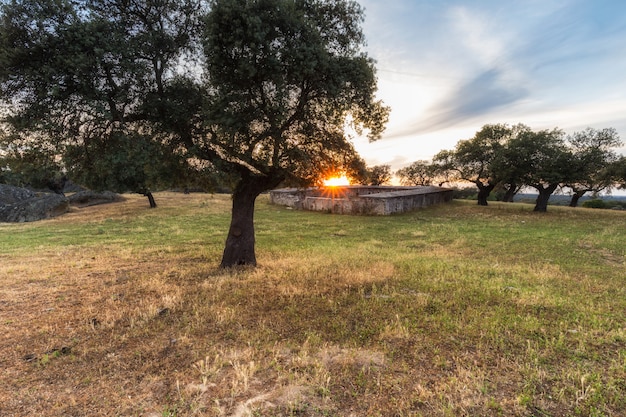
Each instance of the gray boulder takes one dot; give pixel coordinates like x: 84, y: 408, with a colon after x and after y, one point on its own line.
x: 19, y: 205
x: 12, y: 195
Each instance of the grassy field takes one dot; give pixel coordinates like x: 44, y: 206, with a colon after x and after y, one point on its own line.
x: 455, y: 310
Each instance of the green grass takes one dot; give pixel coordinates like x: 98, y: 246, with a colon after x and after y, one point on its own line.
x: 452, y: 310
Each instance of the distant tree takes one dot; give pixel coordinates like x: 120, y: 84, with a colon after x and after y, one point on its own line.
x: 545, y: 161
x: 121, y: 163
x: 418, y: 173
x: 592, y: 156
x: 378, y: 175
x: 473, y: 159
x: 507, y: 167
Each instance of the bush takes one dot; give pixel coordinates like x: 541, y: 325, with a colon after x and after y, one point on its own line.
x: 595, y: 203
x: 466, y: 193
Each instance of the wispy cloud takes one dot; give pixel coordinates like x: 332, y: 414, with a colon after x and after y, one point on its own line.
x: 487, y: 92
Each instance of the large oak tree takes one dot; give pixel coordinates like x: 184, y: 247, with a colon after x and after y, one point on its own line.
x: 284, y: 78
x: 473, y: 160
x: 593, y: 156
x: 543, y: 161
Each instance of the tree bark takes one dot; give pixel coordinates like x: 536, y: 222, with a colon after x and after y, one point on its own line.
x: 510, y: 193
x: 150, y: 199
x: 575, y: 197
x: 239, y: 248
x: 483, y: 192
x: 541, y: 204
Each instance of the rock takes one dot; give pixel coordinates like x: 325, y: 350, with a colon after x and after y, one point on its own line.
x: 19, y: 205
x: 92, y: 198
x: 12, y: 195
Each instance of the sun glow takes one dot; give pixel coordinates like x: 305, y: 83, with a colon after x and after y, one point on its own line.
x: 336, y: 181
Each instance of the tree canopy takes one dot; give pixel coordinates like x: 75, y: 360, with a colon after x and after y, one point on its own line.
x: 593, y: 156
x: 473, y: 160
x: 420, y: 172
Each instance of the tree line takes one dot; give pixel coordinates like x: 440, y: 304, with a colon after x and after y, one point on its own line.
x: 508, y: 158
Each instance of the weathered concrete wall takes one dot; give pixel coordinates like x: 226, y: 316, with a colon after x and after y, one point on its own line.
x: 403, y: 201
x: 361, y: 199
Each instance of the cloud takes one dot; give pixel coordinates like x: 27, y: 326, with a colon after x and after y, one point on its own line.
x: 483, y: 94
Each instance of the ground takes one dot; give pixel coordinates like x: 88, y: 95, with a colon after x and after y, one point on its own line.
x: 122, y: 310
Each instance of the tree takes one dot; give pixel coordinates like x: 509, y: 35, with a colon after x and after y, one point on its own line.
x: 87, y: 77
x: 592, y: 156
x: 544, y: 160
x: 417, y: 173
x: 473, y: 159
x: 260, y: 90
x: 283, y: 76
x: 378, y: 175
x: 507, y: 166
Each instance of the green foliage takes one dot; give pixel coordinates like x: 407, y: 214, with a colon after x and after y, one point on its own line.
x: 617, y: 170
x: 596, y: 203
x: 377, y: 175
x: 80, y: 75
x: 505, y: 159
x: 284, y: 77
x: 24, y: 165
x: 417, y: 173
x: 593, y: 157
x: 118, y: 163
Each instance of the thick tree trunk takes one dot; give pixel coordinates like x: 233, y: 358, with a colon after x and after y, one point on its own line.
x: 239, y: 248
x: 510, y: 193
x: 541, y: 204
x: 574, y: 201
x: 483, y: 192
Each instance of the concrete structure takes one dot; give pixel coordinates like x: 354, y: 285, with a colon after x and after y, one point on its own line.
x: 358, y: 199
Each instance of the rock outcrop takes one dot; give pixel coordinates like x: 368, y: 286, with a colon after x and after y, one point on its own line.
x: 19, y: 205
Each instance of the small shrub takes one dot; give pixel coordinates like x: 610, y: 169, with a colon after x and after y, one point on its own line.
x: 595, y: 203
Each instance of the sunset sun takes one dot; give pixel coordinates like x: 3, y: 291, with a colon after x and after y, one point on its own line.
x: 337, y: 180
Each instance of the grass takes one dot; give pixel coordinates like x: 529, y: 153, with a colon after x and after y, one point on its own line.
x: 455, y: 310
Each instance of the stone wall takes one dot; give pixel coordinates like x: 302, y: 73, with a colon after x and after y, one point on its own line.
x: 378, y: 200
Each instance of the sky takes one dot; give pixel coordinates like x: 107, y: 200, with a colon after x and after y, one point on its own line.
x: 448, y: 67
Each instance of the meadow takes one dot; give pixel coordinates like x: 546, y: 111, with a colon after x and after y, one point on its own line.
x: 454, y: 310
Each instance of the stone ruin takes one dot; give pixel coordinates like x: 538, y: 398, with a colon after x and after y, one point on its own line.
x: 360, y: 199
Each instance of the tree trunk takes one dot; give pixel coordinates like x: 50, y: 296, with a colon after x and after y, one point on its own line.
x: 510, y: 193
x: 541, y: 204
x: 239, y: 248
x: 483, y: 192
x: 574, y: 201
x: 150, y: 199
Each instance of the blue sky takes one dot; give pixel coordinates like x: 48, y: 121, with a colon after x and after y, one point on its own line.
x: 448, y: 67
